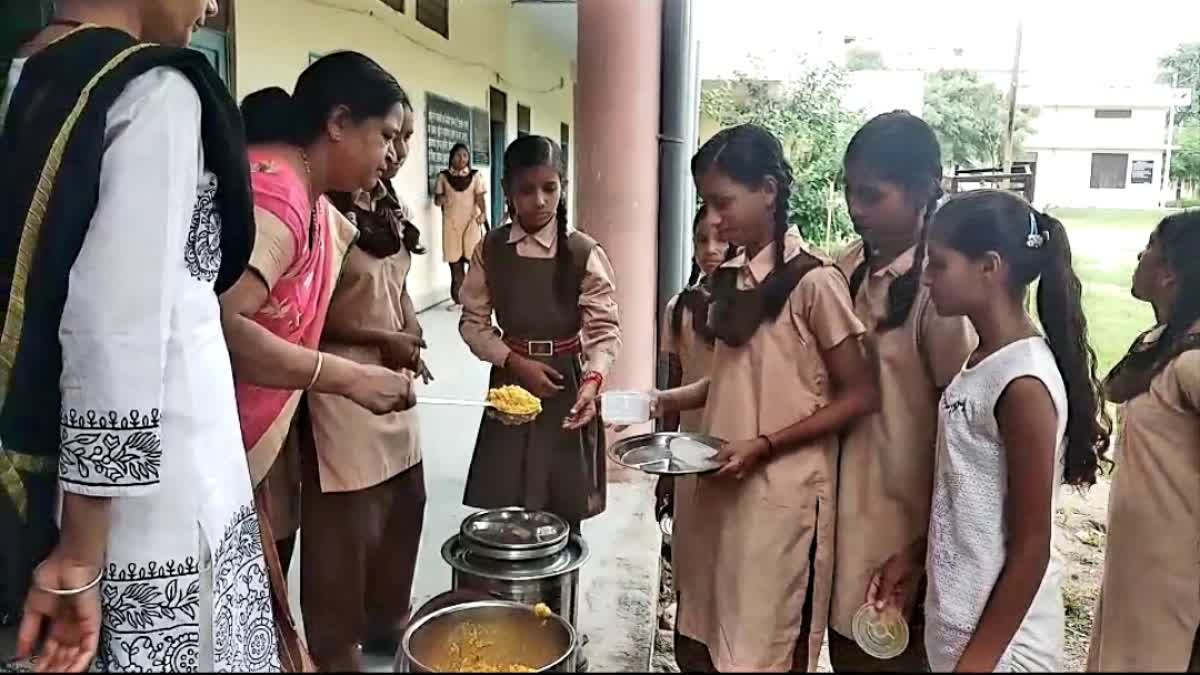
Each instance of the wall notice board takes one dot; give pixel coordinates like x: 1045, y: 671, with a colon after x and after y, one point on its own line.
x: 446, y: 124
x: 481, y: 137
x: 1143, y: 171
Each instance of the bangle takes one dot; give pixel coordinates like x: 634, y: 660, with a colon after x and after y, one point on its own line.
x: 63, y: 593
x: 592, y: 376
x: 770, y: 445
x: 316, y: 371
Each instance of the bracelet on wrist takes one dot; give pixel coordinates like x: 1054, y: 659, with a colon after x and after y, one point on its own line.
x: 67, y: 592
x: 770, y: 446
x: 316, y: 372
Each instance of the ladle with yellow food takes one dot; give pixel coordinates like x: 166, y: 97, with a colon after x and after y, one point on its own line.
x: 511, y: 405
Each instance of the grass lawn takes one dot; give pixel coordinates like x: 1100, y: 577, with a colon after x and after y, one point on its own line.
x: 1105, y: 244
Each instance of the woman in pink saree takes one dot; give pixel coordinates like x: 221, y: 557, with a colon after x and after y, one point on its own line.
x: 333, y: 134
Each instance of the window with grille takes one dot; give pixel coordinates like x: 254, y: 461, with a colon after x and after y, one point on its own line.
x: 435, y: 15
x: 1109, y: 170
x: 523, y: 115
x: 1113, y: 113
x: 397, y: 5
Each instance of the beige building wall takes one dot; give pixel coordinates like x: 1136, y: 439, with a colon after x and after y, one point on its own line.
x: 490, y: 45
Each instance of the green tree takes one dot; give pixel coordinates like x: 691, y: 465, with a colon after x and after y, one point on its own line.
x: 969, y: 117
x: 1181, y: 68
x: 858, y: 58
x: 1185, y: 161
x: 807, y: 116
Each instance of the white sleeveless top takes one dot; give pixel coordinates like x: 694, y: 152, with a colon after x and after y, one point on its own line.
x: 967, y: 528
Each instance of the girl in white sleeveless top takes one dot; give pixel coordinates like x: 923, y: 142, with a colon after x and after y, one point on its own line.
x: 1025, y: 406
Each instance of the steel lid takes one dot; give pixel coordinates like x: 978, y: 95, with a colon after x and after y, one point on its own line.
x: 566, y: 561
x: 514, y: 534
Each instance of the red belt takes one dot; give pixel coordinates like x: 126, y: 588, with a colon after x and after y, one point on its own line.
x: 545, y: 348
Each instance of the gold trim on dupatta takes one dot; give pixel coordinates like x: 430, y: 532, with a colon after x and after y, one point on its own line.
x: 12, y: 463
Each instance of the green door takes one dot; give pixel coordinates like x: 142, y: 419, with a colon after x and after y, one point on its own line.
x: 215, y: 46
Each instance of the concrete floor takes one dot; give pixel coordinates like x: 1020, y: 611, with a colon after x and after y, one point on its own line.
x: 619, y: 585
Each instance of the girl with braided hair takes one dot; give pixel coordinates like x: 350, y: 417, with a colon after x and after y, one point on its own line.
x: 893, y: 172
x: 556, y: 333
x: 753, y: 544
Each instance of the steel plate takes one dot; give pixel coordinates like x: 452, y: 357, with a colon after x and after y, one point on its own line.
x: 656, y: 454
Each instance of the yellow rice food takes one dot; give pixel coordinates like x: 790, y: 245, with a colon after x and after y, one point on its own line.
x: 542, y: 611
x: 468, y: 653
x: 515, y: 400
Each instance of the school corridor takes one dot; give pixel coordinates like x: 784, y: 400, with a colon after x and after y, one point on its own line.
x: 619, y: 584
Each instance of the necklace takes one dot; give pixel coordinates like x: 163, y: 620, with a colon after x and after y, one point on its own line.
x: 312, y: 216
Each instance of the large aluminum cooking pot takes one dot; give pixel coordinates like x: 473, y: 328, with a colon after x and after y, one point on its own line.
x: 507, y: 634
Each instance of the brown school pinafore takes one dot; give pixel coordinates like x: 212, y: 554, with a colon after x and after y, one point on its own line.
x: 538, y: 465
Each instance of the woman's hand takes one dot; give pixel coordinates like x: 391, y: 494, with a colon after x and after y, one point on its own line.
x: 895, y: 582
x: 381, y: 390
x: 401, y: 351
x: 70, y: 624
x: 584, y: 410
x: 740, y: 458
x: 540, y: 379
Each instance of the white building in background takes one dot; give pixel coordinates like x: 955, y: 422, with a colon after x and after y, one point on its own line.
x: 1100, y: 146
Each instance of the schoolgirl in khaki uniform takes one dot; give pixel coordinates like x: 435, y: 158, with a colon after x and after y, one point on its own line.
x: 753, y: 547
x: 893, y: 172
x: 1149, y: 608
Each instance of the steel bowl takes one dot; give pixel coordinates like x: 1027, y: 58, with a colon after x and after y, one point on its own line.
x: 510, y: 633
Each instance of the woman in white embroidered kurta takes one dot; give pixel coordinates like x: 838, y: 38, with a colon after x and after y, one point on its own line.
x: 149, y: 418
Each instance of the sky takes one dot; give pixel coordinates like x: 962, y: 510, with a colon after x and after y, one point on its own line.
x: 1113, y: 42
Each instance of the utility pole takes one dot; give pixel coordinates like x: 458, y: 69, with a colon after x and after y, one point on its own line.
x: 1165, y: 178
x: 1012, y: 101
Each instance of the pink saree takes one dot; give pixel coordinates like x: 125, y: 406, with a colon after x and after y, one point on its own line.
x: 300, y: 292
x: 299, y: 299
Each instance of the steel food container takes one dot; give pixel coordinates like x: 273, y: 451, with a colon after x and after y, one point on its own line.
x: 490, y: 556
x: 515, y: 635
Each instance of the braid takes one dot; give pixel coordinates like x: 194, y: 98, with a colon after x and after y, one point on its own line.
x: 783, y: 192
x: 859, y: 275
x: 903, y: 150
x: 563, y: 286
x: 681, y: 300
x: 539, y: 151
x: 903, y: 291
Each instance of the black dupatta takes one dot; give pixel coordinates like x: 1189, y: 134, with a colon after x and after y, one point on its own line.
x: 50, y: 157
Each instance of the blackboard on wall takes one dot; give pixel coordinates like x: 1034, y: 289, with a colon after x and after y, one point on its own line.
x: 481, y: 137
x: 446, y: 123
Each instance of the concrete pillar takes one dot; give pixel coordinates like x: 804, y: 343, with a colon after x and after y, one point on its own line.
x: 616, y: 166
